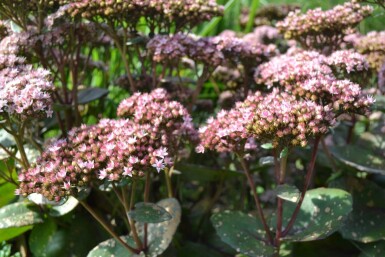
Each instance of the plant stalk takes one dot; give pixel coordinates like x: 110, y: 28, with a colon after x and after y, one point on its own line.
x: 256, y: 199
x: 108, y: 229
x: 308, y: 179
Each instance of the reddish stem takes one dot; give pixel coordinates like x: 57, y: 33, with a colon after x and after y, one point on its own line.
x: 308, y: 178
x: 256, y: 199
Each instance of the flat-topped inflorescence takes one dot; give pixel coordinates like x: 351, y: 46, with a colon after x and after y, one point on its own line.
x: 110, y: 150
x: 317, y: 29
x: 169, y: 119
x: 312, y: 76
x: 283, y: 120
x: 347, y: 61
x: 162, y: 13
x: 372, y: 46
x: 25, y: 92
x: 227, y: 132
x: 171, y: 49
x: 246, y: 50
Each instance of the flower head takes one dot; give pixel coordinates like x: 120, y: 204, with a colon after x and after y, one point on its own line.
x: 105, y: 154
x: 317, y: 29
x: 170, y: 121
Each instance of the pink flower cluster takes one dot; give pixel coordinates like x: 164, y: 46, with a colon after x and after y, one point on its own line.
x: 310, y: 75
x: 277, y: 117
x: 169, y: 119
x: 164, y: 13
x: 372, y: 46
x: 244, y: 50
x: 110, y: 150
x: 283, y: 120
x: 25, y: 92
x: 14, y: 43
x: 318, y: 28
x: 171, y: 49
x: 348, y: 60
x: 227, y: 132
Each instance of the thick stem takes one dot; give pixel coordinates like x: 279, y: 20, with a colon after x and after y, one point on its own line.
x: 281, y: 180
x: 256, y: 199
x: 350, y: 134
x: 167, y: 175
x: 108, y: 229
x: 128, y: 208
x: 20, y: 147
x: 22, y: 245
x: 308, y: 178
x: 201, y: 80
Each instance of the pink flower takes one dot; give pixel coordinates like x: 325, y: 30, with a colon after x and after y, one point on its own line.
x: 161, y: 152
x: 127, y: 171
x: 102, y: 174
x: 159, y: 165
x: 67, y: 185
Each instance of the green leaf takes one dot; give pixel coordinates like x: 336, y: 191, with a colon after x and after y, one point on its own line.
x: 6, y: 139
x: 208, y: 28
x: 161, y: 234
x: 137, y: 40
x: 267, y: 146
x: 91, y: 94
x: 359, y: 158
x: 252, y: 13
x: 322, y: 212
x: 242, y: 232
x: 191, y: 249
x: 267, y: 160
x: 10, y: 233
x: 376, y: 249
x: 68, y: 206
x: 45, y: 241
x: 284, y: 153
x: 287, y: 192
x: 18, y: 215
x: 7, y: 193
x: 364, y: 225
x: 149, y: 213
x: 15, y: 28
x: 82, y: 234
x: 366, y: 222
x: 111, y: 247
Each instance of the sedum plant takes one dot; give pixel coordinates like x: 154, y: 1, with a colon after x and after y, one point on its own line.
x: 100, y: 151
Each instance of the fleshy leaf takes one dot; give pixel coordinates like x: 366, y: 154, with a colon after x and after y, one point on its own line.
x: 366, y: 222
x: 111, y: 247
x: 287, y: 192
x: 45, y: 241
x: 359, y: 158
x: 322, y: 212
x: 91, y: 94
x: 66, y: 207
x: 161, y: 234
x: 376, y: 249
x: 7, y: 193
x: 149, y: 213
x: 242, y: 232
x: 18, y: 215
x: 364, y: 225
x: 9, y: 233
